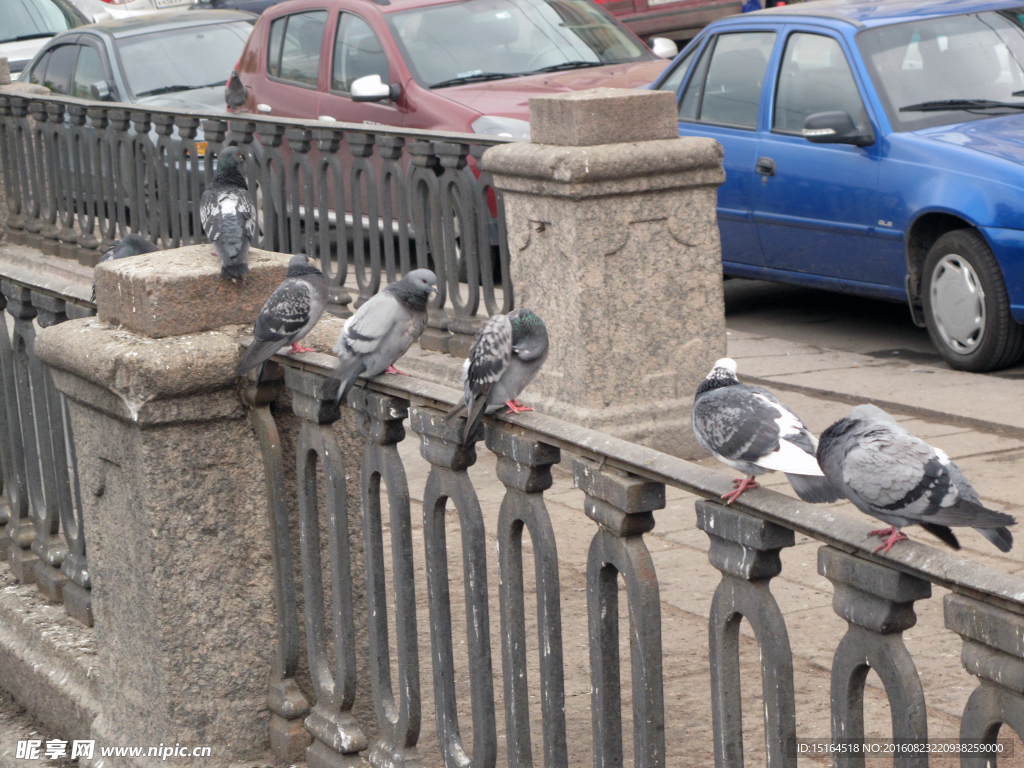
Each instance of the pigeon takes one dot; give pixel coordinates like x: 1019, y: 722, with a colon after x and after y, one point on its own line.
x: 383, y: 329
x: 289, y: 314
x: 900, y: 479
x: 748, y: 429
x: 129, y: 245
x: 228, y: 215
x: 506, y: 354
x: 235, y: 94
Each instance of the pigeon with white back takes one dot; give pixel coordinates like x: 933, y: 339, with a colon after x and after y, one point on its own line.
x: 228, y: 215
x: 748, y: 429
x: 506, y: 354
x: 383, y: 329
x: 129, y: 245
x: 890, y: 474
x: 289, y: 314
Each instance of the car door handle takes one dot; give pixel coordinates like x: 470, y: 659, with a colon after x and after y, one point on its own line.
x: 263, y: 108
x: 766, y: 166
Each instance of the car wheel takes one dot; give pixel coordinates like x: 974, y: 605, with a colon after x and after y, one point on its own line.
x: 966, y: 306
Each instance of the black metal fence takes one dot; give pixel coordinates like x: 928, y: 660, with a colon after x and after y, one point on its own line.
x: 371, y: 202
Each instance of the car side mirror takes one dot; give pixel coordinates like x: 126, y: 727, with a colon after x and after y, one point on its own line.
x: 100, y: 91
x: 836, y: 128
x: 372, y: 88
x: 663, y: 47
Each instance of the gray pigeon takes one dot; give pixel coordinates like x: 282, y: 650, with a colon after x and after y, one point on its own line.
x: 383, y: 329
x: 506, y: 354
x: 900, y: 479
x: 129, y: 245
x: 235, y: 94
x: 228, y: 215
x: 289, y: 314
x: 746, y: 428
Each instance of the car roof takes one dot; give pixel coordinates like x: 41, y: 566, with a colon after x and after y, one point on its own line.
x: 156, y: 22
x: 872, y: 13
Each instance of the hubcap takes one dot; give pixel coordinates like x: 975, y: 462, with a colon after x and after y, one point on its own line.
x: 958, y: 304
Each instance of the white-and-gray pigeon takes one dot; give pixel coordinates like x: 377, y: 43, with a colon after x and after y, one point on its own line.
x: 129, y: 245
x: 506, y: 354
x: 289, y: 314
x: 228, y: 215
x: 900, y: 479
x: 383, y: 329
x: 748, y: 429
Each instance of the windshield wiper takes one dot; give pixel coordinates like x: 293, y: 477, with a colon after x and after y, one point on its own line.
x: 175, y: 89
x: 955, y: 104
x: 478, y: 78
x: 568, y: 65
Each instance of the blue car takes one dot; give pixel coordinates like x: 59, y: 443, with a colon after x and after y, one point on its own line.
x: 874, y: 148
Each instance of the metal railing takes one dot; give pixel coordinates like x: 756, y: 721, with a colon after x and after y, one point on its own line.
x: 624, y: 484
x: 377, y: 200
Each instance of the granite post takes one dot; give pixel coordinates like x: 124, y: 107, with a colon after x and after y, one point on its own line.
x: 614, y: 242
x: 174, y: 502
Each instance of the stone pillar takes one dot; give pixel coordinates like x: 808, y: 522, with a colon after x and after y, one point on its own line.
x: 613, y: 241
x: 174, y: 502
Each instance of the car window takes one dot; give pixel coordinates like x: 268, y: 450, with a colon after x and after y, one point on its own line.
x: 675, y: 79
x: 357, y: 53
x: 295, y: 44
x: 175, y: 60
x: 726, y: 87
x: 815, y: 77
x: 89, y: 70
x: 27, y: 19
x: 38, y: 73
x: 58, y: 69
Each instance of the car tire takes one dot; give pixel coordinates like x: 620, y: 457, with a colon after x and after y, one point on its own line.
x: 966, y: 306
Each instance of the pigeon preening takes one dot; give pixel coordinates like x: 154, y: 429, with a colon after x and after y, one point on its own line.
x: 900, y: 479
x: 228, y: 215
x: 235, y: 94
x: 129, y: 245
x: 289, y: 314
x: 506, y: 354
x: 746, y: 428
x: 383, y: 329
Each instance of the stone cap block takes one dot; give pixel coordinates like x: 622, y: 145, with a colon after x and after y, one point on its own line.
x: 603, y: 116
x: 181, y: 291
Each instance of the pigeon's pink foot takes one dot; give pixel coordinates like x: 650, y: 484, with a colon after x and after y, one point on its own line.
x: 297, y: 348
x: 392, y: 369
x: 894, y: 534
x: 738, y: 487
x: 514, y: 406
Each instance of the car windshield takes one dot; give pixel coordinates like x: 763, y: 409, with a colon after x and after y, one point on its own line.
x: 181, y: 59
x: 493, y: 39
x: 971, y: 63
x: 27, y: 19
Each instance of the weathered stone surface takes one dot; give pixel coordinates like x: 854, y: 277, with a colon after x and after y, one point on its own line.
x: 5, y: 71
x: 603, y: 116
x: 629, y: 235
x: 147, y: 294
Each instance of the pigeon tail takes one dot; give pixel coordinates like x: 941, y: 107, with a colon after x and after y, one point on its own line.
x: 347, y: 372
x: 476, y: 412
x: 259, y: 352
x: 1001, y: 537
x: 946, y: 535
x: 817, y: 490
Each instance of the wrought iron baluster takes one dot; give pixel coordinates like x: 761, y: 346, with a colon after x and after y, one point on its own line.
x: 189, y: 184
x: 337, y: 737
x: 27, y: 173
x: 492, y: 238
x: 623, y: 506
x: 301, y: 192
x: 122, y: 170
x: 164, y: 198
x: 333, y: 241
x: 746, y: 550
x: 12, y: 456
x: 441, y: 445
x: 271, y: 198
x: 878, y: 604
x: 394, y: 210
x: 12, y: 182
x: 45, y: 174
x: 398, y: 721
x: 81, y: 187
x: 425, y: 209
x: 63, y: 180
x: 363, y: 188
x: 144, y: 215
x: 460, y: 240
x: 101, y: 173
x: 524, y: 467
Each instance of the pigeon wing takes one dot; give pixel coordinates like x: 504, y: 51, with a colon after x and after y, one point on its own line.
x: 209, y: 211
x: 286, y: 312
x: 489, y: 357
x: 247, y: 212
x: 364, y: 331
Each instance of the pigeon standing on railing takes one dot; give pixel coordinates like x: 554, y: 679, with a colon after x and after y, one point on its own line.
x: 747, y: 428
x: 506, y: 354
x: 383, y: 329
x: 900, y: 479
x: 129, y: 245
x: 228, y: 215
x: 289, y: 314
x: 235, y: 94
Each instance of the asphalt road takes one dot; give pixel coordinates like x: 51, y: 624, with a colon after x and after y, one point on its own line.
x: 832, y: 321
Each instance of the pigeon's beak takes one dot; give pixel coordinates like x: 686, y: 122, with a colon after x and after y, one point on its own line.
x: 433, y: 289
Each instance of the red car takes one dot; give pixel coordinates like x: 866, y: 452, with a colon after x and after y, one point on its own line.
x: 468, y: 66
x: 677, y: 19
